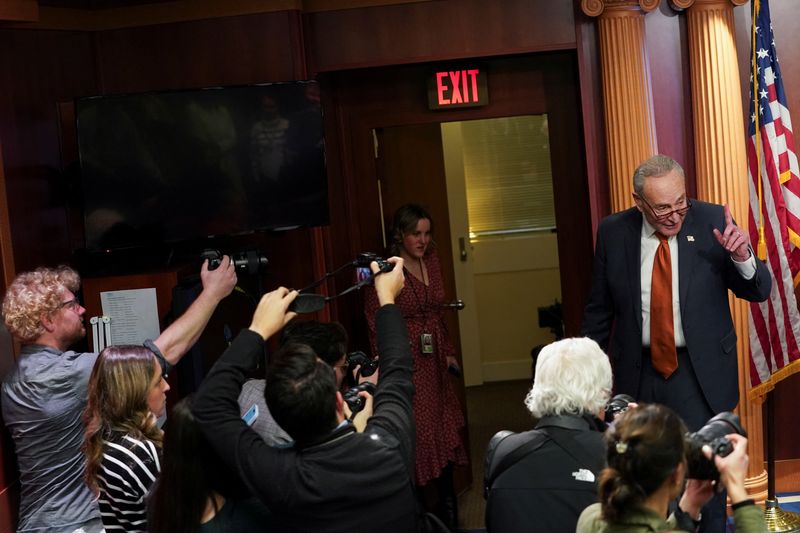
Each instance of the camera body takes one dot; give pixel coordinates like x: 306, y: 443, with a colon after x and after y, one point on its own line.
x: 712, y: 434
x: 365, y: 258
x: 616, y: 405
x: 250, y: 261
x: 353, y: 400
x: 368, y: 366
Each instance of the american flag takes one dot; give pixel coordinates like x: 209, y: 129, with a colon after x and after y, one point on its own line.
x: 774, y: 324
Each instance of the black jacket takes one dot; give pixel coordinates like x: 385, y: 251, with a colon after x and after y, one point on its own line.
x: 350, y: 482
x: 549, y: 487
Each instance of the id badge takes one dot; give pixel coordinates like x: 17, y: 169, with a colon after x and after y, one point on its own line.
x: 426, y: 342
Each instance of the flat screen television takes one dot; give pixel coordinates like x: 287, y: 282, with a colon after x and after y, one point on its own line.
x: 173, y: 166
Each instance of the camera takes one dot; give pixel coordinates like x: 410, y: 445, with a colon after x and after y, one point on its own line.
x: 368, y: 366
x: 713, y: 435
x: 365, y: 258
x: 616, y: 405
x: 250, y: 261
x: 353, y: 400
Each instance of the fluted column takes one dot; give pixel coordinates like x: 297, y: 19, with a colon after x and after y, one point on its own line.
x: 627, y: 93
x: 721, y: 170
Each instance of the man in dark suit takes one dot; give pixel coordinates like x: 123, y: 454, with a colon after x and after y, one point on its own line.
x: 659, y: 300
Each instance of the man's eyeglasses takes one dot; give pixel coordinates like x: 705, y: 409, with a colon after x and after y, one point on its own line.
x: 664, y: 213
x: 72, y: 305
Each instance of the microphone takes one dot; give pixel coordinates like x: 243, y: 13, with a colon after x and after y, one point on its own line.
x: 458, y: 305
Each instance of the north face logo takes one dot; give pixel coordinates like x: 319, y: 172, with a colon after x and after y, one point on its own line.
x: 583, y: 475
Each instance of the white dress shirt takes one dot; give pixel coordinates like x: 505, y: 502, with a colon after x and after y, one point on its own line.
x: 650, y: 243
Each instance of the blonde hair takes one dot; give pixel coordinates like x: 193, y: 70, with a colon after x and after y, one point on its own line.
x: 118, y: 391
x: 35, y: 294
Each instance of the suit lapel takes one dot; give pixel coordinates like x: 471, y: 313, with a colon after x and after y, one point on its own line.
x: 687, y: 254
x: 633, y: 250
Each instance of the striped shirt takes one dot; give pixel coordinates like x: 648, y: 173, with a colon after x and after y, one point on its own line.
x: 127, y: 471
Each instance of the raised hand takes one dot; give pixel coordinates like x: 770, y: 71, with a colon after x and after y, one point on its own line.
x: 219, y: 282
x: 271, y: 314
x: 733, y: 239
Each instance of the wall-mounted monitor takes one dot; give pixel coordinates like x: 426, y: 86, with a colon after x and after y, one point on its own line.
x: 166, y: 167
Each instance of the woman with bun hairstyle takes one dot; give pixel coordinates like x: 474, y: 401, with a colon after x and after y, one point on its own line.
x: 646, y: 455
x: 437, y: 412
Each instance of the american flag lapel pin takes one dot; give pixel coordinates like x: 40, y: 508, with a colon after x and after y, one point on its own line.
x: 690, y: 238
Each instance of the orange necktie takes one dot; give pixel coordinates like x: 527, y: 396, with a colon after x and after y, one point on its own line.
x: 662, y: 329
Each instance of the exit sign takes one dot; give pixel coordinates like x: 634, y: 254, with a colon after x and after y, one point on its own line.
x: 458, y: 88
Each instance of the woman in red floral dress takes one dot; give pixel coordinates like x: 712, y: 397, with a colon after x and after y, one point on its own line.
x: 437, y: 411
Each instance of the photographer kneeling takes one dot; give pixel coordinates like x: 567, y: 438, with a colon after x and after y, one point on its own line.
x: 647, y: 465
x: 333, y: 479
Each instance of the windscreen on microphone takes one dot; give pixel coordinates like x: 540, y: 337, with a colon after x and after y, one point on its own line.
x: 307, y: 303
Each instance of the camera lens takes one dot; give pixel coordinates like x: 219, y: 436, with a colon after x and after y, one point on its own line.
x: 713, y: 434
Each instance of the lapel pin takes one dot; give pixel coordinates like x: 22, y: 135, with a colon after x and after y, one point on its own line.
x: 690, y: 238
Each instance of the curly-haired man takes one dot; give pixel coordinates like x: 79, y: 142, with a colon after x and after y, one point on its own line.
x: 45, y: 393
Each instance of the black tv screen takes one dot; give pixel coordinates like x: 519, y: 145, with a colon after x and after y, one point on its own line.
x: 166, y: 167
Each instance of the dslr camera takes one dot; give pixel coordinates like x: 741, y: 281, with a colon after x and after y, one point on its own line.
x: 353, y: 400
x: 250, y: 262
x: 712, y: 434
x: 365, y: 258
x: 617, y: 405
x: 368, y: 366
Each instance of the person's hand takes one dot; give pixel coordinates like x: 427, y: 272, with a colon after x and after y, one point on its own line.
x: 735, y: 240
x: 361, y: 418
x: 733, y: 468
x: 698, y: 493
x: 271, y: 314
x: 388, y: 284
x: 218, y: 283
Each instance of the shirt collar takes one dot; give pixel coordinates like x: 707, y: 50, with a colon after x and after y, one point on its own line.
x: 648, y: 231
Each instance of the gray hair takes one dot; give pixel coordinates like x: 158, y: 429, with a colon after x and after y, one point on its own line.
x: 657, y: 166
x: 573, y: 376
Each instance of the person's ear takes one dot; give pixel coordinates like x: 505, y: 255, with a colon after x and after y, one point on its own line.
x: 339, y: 404
x: 637, y: 200
x: 47, y: 322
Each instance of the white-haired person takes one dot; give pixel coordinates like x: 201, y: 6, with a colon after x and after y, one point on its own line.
x: 543, y: 479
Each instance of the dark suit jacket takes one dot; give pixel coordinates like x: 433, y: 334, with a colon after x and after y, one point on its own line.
x: 613, y: 316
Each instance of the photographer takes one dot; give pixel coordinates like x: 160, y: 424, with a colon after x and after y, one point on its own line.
x: 329, y: 342
x: 333, y: 479
x: 542, y: 479
x: 646, y: 453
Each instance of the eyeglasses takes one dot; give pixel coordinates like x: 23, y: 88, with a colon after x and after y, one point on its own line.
x: 72, y: 305
x: 663, y: 214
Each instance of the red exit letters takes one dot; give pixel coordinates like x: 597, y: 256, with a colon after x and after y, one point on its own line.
x: 458, y: 88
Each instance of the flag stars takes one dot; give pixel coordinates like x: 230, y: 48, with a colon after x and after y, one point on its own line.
x: 763, y: 93
x: 760, y: 110
x: 762, y: 53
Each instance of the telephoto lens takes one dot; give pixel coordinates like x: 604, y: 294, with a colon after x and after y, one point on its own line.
x: 713, y: 434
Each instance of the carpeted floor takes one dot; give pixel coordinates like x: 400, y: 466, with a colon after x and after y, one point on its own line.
x: 490, y: 408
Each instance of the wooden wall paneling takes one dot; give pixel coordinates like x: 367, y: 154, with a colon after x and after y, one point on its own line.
x: 591, y: 90
x: 229, y: 51
x: 442, y: 30
x: 570, y: 191
x: 672, y: 102
x: 43, y: 68
x: 785, y: 15
x: 9, y: 477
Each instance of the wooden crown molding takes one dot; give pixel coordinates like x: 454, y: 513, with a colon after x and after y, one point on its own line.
x: 26, y: 14
x: 680, y: 5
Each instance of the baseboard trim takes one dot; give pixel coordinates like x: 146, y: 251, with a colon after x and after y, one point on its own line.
x: 507, y: 370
